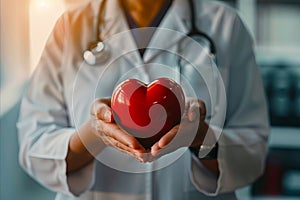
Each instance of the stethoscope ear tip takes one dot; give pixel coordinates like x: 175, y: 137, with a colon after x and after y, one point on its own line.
x: 97, y: 55
x: 89, y: 57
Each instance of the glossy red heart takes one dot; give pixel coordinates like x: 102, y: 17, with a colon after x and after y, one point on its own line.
x: 148, y: 111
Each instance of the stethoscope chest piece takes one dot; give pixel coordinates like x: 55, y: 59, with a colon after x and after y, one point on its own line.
x: 97, y: 55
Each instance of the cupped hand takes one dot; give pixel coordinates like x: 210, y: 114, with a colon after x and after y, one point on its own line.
x: 189, y: 133
x: 111, y: 134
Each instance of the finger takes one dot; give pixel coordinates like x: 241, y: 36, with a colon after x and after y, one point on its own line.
x: 105, y: 114
x: 161, y: 152
x: 138, y: 155
x: 155, y: 149
x: 196, y: 110
x: 122, y: 146
x: 202, y: 110
x: 114, y: 131
x: 99, y: 103
x: 166, y: 139
x: 101, y: 110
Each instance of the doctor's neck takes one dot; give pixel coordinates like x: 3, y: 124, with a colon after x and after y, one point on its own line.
x: 143, y: 11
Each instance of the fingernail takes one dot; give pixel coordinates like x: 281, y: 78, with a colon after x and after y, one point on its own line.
x: 107, y: 116
x: 141, y: 160
x: 192, y: 116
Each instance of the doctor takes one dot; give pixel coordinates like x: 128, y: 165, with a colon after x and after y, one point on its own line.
x: 57, y: 122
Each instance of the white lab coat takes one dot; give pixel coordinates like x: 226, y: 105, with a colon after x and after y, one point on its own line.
x: 52, y: 109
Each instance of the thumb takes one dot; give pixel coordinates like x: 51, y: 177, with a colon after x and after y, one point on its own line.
x: 101, y: 111
x: 196, y: 111
x: 104, y: 114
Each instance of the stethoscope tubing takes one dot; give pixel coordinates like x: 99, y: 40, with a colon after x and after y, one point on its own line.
x: 99, y: 51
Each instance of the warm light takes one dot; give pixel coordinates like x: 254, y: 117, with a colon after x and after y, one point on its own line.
x: 43, y: 15
x: 41, y: 3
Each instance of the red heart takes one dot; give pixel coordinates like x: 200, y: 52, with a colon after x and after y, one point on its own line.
x: 148, y: 112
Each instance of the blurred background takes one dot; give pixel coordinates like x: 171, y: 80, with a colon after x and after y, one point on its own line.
x: 275, y: 26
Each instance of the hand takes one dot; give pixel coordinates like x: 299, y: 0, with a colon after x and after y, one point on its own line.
x: 111, y: 134
x: 192, y: 120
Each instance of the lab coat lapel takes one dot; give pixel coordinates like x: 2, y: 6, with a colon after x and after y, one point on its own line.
x: 176, y: 19
x: 115, y: 23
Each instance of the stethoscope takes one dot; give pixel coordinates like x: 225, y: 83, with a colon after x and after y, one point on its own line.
x: 99, y: 51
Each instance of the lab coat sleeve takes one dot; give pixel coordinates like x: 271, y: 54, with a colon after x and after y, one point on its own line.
x: 44, y: 128
x: 243, y: 143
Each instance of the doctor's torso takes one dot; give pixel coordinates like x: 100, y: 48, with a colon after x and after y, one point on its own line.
x: 82, y: 83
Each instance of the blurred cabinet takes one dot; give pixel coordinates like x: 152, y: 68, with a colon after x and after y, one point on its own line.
x: 282, y: 85
x: 281, y: 179
x: 276, y: 32
x: 232, y: 3
x: 278, y: 27
x: 275, y: 27
x: 278, y: 50
x: 278, y: 24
